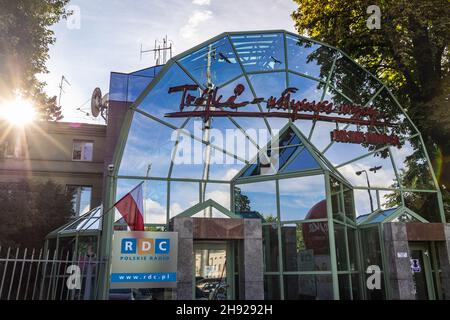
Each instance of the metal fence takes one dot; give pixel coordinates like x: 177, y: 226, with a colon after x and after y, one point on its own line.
x: 47, y: 275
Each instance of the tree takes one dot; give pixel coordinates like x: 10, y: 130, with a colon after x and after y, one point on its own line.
x: 30, y: 210
x: 25, y: 38
x: 241, y: 202
x: 409, y: 53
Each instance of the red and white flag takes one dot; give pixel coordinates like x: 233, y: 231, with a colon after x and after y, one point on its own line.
x: 131, y: 207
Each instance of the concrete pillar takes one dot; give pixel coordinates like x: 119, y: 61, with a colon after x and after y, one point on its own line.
x: 400, y: 278
x: 443, y: 249
x: 185, y: 270
x: 251, y: 277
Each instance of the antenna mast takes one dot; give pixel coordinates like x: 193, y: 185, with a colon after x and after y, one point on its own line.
x: 61, y: 90
x: 167, y: 45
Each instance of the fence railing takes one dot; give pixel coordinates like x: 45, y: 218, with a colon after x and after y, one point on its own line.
x: 47, y: 275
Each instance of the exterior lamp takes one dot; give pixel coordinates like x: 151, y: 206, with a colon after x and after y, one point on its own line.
x: 374, y: 170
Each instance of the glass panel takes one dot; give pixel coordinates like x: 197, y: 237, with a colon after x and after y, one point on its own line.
x: 370, y: 246
x: 336, y: 199
x: 215, y: 61
x: 423, y: 203
x: 352, y: 249
x: 220, y: 193
x: 302, y: 198
x: 362, y: 201
x: 309, y: 58
x: 272, y: 288
x: 271, y: 247
x: 302, y: 161
x: 148, y: 142
x: 136, y: 84
x: 412, y: 165
x: 357, y: 295
x: 118, y: 87
x: 353, y: 81
x: 348, y: 204
x: 306, y: 247
x: 307, y: 89
x: 148, y: 72
x: 388, y: 199
x: 261, y: 199
x: 268, y: 84
x: 341, y: 250
x: 183, y: 195
x: 159, y: 101
x: 226, y: 171
x: 260, y: 52
x: 211, y: 274
x: 344, y: 287
x: 308, y: 287
x: 386, y: 105
x: 155, y: 198
x: 355, y: 172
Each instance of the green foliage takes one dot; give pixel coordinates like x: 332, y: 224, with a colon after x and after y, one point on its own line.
x: 25, y: 38
x: 241, y: 202
x: 30, y: 210
x: 410, y: 54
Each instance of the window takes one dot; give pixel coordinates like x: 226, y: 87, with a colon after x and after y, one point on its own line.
x: 12, y: 147
x: 82, y: 150
x: 81, y: 201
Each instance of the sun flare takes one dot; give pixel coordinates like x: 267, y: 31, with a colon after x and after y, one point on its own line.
x: 18, y: 111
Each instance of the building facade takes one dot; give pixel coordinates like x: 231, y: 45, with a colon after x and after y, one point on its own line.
x: 70, y: 154
x: 281, y: 164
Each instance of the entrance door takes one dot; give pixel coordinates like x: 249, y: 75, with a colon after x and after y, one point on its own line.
x: 421, y: 269
x: 213, y: 271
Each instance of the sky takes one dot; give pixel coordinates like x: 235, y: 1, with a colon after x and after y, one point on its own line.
x: 106, y: 35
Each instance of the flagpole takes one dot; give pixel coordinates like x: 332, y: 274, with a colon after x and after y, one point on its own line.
x: 145, y: 190
x: 104, y: 213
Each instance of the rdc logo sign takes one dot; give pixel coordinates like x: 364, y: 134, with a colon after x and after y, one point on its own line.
x: 145, y: 246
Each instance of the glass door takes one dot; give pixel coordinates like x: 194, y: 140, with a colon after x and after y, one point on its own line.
x: 213, y: 271
x: 421, y: 271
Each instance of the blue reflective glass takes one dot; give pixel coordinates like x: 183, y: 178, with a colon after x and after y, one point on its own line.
x: 148, y: 142
x: 309, y: 58
x: 136, y: 84
x: 148, y: 72
x: 118, y: 86
x: 268, y: 84
x: 215, y: 63
x: 260, y: 52
x: 285, y: 155
x: 303, y: 161
x: 306, y: 88
x: 250, y: 171
x: 159, y: 101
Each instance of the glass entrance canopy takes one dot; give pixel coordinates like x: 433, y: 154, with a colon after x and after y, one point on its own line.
x: 217, y: 123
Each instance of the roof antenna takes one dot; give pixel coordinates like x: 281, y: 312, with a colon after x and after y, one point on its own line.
x: 167, y: 45
x: 61, y: 89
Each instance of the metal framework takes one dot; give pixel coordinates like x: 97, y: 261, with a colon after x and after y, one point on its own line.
x: 266, y: 55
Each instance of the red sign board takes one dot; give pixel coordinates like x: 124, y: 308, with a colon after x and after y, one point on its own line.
x: 213, y: 105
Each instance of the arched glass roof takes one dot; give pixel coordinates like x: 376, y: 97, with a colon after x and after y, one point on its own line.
x: 252, y: 67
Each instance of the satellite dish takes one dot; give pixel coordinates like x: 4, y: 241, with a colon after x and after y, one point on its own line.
x: 96, y: 102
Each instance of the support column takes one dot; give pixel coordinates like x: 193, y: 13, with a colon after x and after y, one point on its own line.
x: 251, y: 278
x: 399, y: 274
x: 185, y: 266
